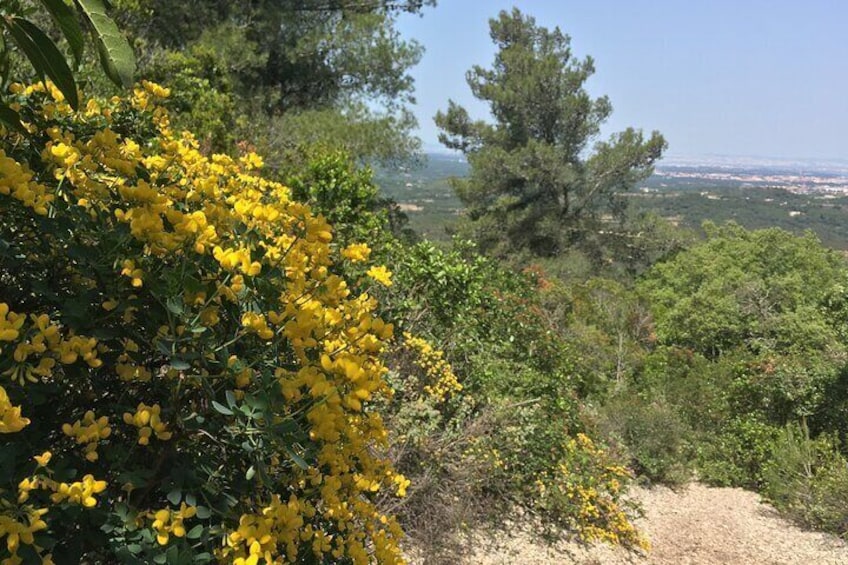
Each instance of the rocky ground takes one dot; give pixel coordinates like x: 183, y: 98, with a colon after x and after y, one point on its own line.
x: 698, y: 525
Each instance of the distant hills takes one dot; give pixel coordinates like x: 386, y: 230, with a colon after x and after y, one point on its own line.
x: 756, y: 192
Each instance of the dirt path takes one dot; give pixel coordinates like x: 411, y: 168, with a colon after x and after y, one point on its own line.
x: 696, y: 526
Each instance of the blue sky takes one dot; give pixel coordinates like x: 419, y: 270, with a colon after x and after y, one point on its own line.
x: 746, y: 77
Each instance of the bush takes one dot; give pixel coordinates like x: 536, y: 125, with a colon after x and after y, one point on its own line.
x: 652, y: 434
x: 808, y: 480
x: 507, y: 441
x: 736, y: 454
x: 185, y: 377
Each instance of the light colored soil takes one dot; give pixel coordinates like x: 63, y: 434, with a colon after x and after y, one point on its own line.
x: 698, y: 525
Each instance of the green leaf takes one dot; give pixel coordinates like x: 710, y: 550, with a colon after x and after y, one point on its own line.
x: 175, y: 305
x: 161, y: 558
x: 44, y: 56
x: 251, y: 472
x: 11, y: 118
x: 221, y: 408
x: 134, y: 548
x: 180, y: 365
x: 203, y: 513
x: 195, y: 532
x: 299, y: 461
x: 116, y: 55
x: 173, y: 554
x: 231, y: 398
x: 175, y: 496
x: 164, y: 347
x: 67, y: 21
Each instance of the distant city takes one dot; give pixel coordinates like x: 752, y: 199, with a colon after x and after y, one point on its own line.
x: 797, y: 176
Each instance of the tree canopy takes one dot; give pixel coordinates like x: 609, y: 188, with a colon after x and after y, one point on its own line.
x: 748, y: 288
x: 533, y: 175
x: 283, y: 60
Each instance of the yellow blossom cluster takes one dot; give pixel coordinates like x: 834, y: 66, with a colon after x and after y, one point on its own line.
x: 440, y: 380
x: 256, y: 323
x: 167, y: 522
x: 11, y: 420
x: 149, y: 422
x: 89, y: 431
x: 16, y: 180
x: 20, y: 529
x: 380, y: 274
x: 126, y: 368
x: 217, y: 289
x: 79, y: 492
x: 356, y: 252
x: 10, y: 323
x: 43, y: 341
x: 592, y: 489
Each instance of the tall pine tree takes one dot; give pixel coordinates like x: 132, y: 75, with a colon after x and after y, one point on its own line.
x: 534, y: 183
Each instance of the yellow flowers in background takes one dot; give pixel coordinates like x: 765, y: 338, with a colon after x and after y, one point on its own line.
x: 439, y: 378
x: 591, y: 488
x: 356, y: 252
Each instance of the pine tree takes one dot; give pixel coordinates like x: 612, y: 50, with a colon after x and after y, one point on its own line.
x: 534, y: 185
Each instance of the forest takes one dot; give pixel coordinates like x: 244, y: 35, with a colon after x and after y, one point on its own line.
x: 222, y: 341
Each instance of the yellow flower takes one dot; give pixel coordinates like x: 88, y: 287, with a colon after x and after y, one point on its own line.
x: 381, y: 275
x: 356, y: 252
x: 11, y: 420
x: 148, y: 421
x: 79, y: 492
x: 129, y: 270
x: 252, y: 161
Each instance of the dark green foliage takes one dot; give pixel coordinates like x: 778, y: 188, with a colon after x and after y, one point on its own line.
x: 530, y: 178
x: 756, y: 207
x: 279, y: 60
x: 202, y: 98
x: 512, y: 427
x: 45, y: 57
x: 116, y: 56
x: 332, y: 184
x: 305, y: 53
x: 47, y: 60
x: 650, y: 231
x: 751, y: 328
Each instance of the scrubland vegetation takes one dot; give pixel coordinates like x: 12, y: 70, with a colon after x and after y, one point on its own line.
x: 227, y: 346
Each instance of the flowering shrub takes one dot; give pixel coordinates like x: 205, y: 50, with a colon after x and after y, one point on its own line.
x: 586, y: 491
x: 484, y: 419
x: 439, y: 380
x: 185, y: 377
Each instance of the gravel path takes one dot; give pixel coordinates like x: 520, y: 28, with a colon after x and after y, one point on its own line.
x: 696, y: 526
